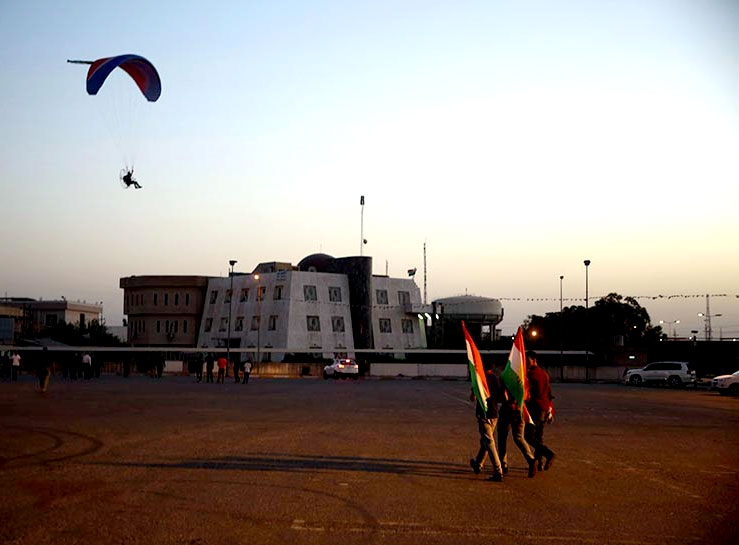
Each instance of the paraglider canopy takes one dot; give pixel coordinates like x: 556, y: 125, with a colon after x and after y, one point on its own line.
x: 140, y: 70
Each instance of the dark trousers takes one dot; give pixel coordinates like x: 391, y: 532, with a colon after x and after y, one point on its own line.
x: 534, y: 435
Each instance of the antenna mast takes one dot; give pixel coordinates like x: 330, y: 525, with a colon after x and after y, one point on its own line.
x: 425, y: 301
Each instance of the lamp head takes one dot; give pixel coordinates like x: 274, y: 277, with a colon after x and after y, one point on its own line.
x: 232, y: 262
x: 587, y: 262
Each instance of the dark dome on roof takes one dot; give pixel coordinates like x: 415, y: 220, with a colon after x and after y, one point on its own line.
x: 317, y: 263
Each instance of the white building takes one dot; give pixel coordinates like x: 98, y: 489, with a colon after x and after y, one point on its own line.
x: 325, y: 305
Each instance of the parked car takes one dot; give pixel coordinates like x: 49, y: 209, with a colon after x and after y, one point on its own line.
x: 341, y: 367
x: 673, y: 373
x: 726, y: 384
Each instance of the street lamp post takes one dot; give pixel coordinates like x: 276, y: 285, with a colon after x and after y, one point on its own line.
x: 231, y: 262
x: 587, y: 340
x: 259, y: 315
x: 561, y: 323
x: 672, y: 333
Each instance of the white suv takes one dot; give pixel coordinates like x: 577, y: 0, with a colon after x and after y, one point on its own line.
x: 674, y: 373
x: 726, y: 384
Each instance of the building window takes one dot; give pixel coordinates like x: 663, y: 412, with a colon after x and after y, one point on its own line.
x: 404, y: 298
x: 381, y: 296
x: 227, y: 298
x: 174, y: 325
x: 334, y: 294
x: 208, y: 324
x: 166, y: 326
x: 313, y: 323
x: 176, y: 299
x: 156, y: 299
x: 224, y: 324
x: 239, y: 325
x: 385, y: 326
x: 184, y: 326
x: 213, y: 297
x: 337, y: 324
x: 82, y: 320
x: 159, y: 326
x: 187, y: 299
x: 244, y: 297
x: 310, y: 293
x: 254, y: 323
x: 278, y: 293
x: 272, y: 325
x: 261, y: 292
x: 166, y: 299
x: 406, y: 325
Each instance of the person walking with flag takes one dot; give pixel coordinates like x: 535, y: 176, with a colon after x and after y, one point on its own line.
x: 487, y: 420
x: 541, y: 409
x: 513, y: 412
x: 486, y: 392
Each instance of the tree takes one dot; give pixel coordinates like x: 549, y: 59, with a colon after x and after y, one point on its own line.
x: 93, y: 334
x: 613, y: 320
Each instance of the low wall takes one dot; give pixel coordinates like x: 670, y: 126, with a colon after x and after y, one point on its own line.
x: 565, y: 373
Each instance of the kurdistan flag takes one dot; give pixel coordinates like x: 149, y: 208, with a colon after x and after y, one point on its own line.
x: 514, y: 374
x: 477, y: 372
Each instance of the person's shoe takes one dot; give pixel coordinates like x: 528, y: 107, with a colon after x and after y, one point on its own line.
x: 505, y: 469
x: 475, y: 466
x: 549, y: 462
x: 496, y: 477
x: 532, y: 469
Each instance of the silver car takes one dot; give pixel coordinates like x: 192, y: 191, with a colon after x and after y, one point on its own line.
x: 673, y: 373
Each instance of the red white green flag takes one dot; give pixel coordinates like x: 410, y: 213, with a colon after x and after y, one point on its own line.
x: 514, y: 374
x: 477, y: 372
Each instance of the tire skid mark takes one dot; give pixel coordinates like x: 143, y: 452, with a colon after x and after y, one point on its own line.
x: 45, y: 456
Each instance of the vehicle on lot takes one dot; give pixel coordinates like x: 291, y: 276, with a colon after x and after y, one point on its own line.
x: 341, y: 368
x: 726, y: 384
x: 673, y: 373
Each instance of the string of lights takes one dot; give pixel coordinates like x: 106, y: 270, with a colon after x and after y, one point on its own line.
x: 595, y: 298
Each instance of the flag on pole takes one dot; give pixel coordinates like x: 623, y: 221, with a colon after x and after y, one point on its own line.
x: 514, y: 374
x: 477, y: 372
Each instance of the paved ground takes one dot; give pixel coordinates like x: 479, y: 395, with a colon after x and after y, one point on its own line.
x: 140, y: 461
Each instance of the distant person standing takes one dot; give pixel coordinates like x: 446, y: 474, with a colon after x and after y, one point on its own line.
x: 209, y: 364
x: 247, y: 372
x: 237, y: 366
x: 87, y: 365
x: 222, y: 364
x: 15, y: 366
x: 43, y: 370
x: 199, y: 362
x: 540, y: 408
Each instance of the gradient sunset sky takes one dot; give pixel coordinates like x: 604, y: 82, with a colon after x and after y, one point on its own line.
x: 514, y: 139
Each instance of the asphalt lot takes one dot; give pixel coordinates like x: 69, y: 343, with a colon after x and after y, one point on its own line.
x: 303, y: 461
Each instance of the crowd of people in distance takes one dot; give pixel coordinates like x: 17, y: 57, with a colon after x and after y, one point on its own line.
x: 524, y: 424
x: 241, y: 370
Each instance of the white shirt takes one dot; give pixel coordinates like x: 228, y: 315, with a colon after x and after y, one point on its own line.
x: 247, y: 367
x: 86, y: 359
x: 16, y: 360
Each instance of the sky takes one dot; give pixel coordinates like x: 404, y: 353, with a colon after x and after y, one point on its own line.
x: 513, y: 140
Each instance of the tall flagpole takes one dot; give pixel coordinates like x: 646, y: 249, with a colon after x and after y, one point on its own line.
x: 425, y: 301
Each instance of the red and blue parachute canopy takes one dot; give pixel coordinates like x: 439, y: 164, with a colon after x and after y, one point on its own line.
x: 140, y: 70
